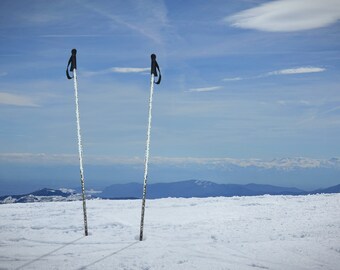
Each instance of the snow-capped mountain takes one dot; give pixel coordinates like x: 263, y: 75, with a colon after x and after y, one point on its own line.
x: 43, y: 195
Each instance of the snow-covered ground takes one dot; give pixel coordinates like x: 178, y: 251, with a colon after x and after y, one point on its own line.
x: 266, y: 232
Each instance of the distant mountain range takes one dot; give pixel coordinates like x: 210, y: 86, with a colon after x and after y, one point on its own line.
x: 183, y: 189
x: 198, y: 188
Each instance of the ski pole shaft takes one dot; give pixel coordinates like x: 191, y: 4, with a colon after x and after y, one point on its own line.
x: 80, y: 150
x: 146, y: 162
x: 72, y: 65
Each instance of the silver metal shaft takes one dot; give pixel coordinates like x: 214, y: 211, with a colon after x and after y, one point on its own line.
x: 80, y: 150
x: 146, y: 162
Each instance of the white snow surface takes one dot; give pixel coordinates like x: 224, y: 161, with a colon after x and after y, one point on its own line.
x: 264, y: 232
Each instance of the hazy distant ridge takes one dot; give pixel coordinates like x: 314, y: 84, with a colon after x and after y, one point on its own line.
x: 182, y: 189
x: 195, y: 188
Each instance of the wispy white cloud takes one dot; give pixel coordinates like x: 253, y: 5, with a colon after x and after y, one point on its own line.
x: 116, y: 70
x: 3, y: 73
x: 288, y: 71
x: 288, y: 15
x: 294, y: 102
x: 322, y: 114
x: 232, y: 79
x: 299, y: 70
x: 146, y: 18
x: 39, y: 158
x: 68, y: 159
x: 129, y: 69
x: 205, y: 89
x: 334, y: 109
x: 17, y: 100
x: 281, y: 163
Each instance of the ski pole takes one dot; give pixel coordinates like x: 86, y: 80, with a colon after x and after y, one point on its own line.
x: 73, y: 67
x: 154, y: 67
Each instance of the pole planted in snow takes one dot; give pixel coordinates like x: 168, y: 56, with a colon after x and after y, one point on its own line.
x: 73, y: 68
x: 154, y: 67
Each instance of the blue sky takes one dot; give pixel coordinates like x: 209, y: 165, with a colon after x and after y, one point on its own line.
x: 245, y: 83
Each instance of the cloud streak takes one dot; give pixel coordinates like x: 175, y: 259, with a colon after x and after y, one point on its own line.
x: 129, y: 70
x: 232, y: 79
x: 116, y: 70
x: 281, y: 163
x: 68, y: 159
x: 205, y: 89
x: 151, y: 28
x: 288, y: 71
x: 17, y: 100
x: 299, y: 70
x: 288, y: 15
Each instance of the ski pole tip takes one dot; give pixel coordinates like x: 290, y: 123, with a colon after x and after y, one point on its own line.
x: 74, y: 51
x: 153, y: 56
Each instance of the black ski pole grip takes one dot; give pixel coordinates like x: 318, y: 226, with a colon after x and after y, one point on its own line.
x: 153, y: 65
x: 154, y: 68
x: 72, y: 63
x: 74, y: 59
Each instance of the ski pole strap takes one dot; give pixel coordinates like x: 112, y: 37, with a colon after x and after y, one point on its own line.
x: 72, y: 63
x: 154, y: 68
